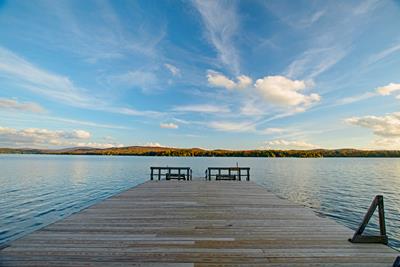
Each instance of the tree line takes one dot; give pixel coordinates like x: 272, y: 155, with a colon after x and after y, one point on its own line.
x: 196, y: 152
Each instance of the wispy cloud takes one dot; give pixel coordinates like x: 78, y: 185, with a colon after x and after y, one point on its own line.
x: 314, y: 18
x: 103, y: 35
x: 389, y: 89
x: 12, y: 104
x: 175, y: 71
x: 270, y: 131
x: 222, y: 23
x: 315, y: 61
x: 169, y: 125
x: 355, y: 98
x: 26, y: 75
x: 82, y: 122
x: 383, y: 54
x: 288, y: 144
x: 365, y: 7
x: 32, y: 118
x: 203, y: 108
x: 295, y: 16
x: 232, y: 126
x: 38, y: 137
x: 251, y: 108
x: 327, y: 43
x: 144, y: 80
x: 62, y: 89
x: 243, y: 127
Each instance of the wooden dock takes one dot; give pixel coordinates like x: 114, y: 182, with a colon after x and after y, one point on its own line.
x: 195, y: 223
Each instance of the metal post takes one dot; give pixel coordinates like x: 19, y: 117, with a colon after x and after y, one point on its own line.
x: 382, y: 225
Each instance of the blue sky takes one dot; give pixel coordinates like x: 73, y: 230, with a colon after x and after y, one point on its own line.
x: 209, y: 74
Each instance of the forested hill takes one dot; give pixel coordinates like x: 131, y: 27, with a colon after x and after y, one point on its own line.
x: 197, y: 152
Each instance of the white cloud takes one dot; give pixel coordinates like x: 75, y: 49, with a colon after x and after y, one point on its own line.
x: 173, y: 69
x: 385, y: 143
x: 243, y: 81
x: 226, y: 126
x: 20, y: 106
x: 385, y: 126
x: 388, y: 89
x: 282, y: 91
x: 78, y: 134
x: 169, y: 125
x: 222, y: 23
x: 219, y: 80
x: 289, y: 144
x: 153, y: 144
x: 94, y: 144
x: 277, y: 90
x: 37, y: 137
x: 203, y: 108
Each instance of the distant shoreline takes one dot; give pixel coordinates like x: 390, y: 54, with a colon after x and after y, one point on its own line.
x: 197, y: 152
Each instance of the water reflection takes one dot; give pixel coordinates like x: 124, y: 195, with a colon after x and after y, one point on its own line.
x: 38, y: 189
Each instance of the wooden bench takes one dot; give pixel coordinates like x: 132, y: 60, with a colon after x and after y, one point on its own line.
x: 225, y: 177
x: 169, y: 173
x: 228, y: 173
x: 170, y: 176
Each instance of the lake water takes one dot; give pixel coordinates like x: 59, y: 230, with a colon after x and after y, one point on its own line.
x: 36, y: 190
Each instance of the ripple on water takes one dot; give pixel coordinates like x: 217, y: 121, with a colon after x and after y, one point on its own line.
x: 37, y: 190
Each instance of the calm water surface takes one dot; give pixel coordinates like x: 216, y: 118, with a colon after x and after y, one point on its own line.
x: 36, y: 190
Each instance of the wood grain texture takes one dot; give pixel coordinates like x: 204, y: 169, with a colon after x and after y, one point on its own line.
x: 195, y: 223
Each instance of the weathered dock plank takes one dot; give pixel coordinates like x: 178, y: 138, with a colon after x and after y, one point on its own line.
x: 196, y: 223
